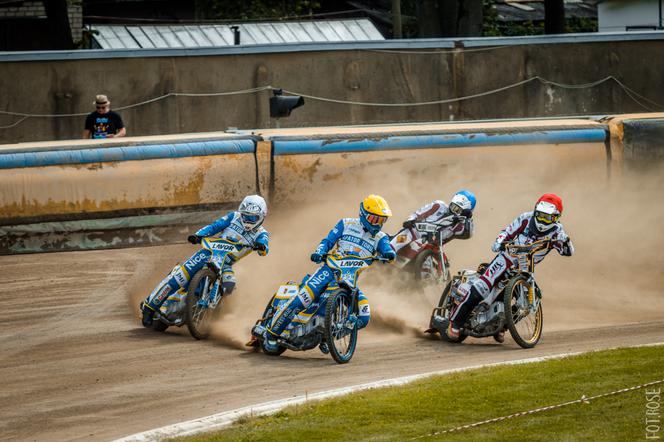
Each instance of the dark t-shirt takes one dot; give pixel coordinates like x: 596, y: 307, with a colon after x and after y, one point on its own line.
x: 100, y: 125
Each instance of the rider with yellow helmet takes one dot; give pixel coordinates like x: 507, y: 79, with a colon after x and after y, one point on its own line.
x: 350, y: 236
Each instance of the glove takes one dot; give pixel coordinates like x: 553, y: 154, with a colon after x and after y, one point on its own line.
x: 260, y: 248
x: 317, y: 257
x: 390, y: 256
x: 194, y: 239
x: 408, y: 224
x: 498, y: 247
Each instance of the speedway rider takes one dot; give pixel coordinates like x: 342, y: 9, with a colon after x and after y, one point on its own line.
x: 243, y: 226
x: 540, y: 224
x: 455, y: 219
x: 351, y: 236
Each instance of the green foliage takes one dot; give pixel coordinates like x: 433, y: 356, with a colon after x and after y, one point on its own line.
x: 444, y: 402
x: 493, y: 27
x: 255, y: 9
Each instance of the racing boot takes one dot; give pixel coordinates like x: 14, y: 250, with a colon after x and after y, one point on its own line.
x: 453, y: 332
x: 148, y: 314
x: 471, y: 299
x: 323, y: 347
x: 499, y: 337
x: 151, y: 305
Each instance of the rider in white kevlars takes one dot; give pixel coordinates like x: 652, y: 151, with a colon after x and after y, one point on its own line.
x: 456, y: 219
x: 540, y: 224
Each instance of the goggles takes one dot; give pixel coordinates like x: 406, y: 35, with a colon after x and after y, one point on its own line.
x: 455, y: 209
x: 250, y: 219
x: 376, y: 220
x: 546, y: 218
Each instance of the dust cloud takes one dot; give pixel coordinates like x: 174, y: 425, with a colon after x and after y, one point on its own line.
x: 613, y: 219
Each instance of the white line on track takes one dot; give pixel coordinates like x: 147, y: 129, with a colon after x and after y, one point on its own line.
x: 220, y: 420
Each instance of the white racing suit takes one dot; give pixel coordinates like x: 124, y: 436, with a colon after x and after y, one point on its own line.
x: 520, y: 231
x: 436, y: 212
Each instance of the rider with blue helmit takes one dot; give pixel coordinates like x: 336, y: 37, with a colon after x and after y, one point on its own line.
x: 243, y: 226
x: 456, y: 221
x: 350, y: 236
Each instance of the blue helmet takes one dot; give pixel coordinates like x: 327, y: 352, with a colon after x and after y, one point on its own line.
x: 463, y: 202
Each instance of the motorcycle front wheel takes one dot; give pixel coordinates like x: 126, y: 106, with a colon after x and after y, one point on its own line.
x: 524, y: 325
x: 444, y: 309
x: 199, y: 318
x: 340, y: 337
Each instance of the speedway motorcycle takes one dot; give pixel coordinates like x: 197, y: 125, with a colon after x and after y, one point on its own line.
x: 197, y: 306
x: 329, y: 323
x: 517, y: 306
x: 425, y: 259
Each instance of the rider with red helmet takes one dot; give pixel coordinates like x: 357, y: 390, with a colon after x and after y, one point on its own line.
x: 540, y: 224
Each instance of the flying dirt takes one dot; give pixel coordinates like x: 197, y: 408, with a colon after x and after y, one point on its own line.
x: 77, y: 364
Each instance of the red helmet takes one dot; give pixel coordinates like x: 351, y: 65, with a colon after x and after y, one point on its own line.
x: 553, y: 199
x: 547, y: 211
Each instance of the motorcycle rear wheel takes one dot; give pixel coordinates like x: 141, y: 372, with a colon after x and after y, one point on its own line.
x: 340, y: 342
x: 445, y: 310
x: 425, y: 268
x: 268, y: 318
x: 199, y: 319
x: 526, y: 330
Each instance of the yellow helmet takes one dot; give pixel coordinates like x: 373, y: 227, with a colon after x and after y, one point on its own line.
x: 374, y: 211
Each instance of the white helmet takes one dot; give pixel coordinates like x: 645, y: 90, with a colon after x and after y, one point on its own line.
x: 463, y: 202
x: 253, y: 210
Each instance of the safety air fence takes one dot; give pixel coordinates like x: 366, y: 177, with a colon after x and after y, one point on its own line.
x: 153, y: 190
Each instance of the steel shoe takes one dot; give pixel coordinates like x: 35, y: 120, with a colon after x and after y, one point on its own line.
x: 148, y: 314
x: 453, y: 332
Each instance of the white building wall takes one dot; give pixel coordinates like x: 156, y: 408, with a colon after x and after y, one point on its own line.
x: 616, y: 15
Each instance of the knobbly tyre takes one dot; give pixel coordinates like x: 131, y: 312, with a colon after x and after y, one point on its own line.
x: 517, y: 304
x: 329, y: 323
x: 198, y: 305
x: 426, y: 260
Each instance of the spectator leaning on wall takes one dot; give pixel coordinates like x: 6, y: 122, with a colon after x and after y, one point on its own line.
x: 103, y: 122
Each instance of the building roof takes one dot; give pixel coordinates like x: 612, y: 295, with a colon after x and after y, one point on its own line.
x: 523, y: 10
x: 216, y: 35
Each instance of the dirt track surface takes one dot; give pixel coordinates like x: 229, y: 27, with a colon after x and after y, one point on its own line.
x: 75, y: 363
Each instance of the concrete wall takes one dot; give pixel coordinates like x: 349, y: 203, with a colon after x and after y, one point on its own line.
x: 105, y: 180
x: 68, y: 86
x: 101, y: 179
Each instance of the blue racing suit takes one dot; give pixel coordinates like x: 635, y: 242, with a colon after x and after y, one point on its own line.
x: 229, y: 227
x: 348, y: 237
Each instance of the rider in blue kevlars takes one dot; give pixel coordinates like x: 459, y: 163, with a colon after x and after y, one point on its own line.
x: 351, y: 236
x: 243, y: 226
